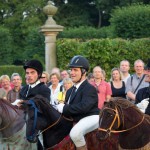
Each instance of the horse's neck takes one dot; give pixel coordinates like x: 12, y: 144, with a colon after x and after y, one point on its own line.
x: 12, y: 124
x: 53, y: 115
x: 130, y: 138
x: 57, y: 133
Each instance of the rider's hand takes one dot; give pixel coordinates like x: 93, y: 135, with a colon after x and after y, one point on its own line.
x: 143, y: 104
x: 60, y: 107
x: 17, y: 102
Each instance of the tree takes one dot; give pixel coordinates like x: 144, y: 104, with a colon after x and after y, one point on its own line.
x: 19, y: 16
x: 6, y: 46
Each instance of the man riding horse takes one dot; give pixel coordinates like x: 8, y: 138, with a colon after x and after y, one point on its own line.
x: 81, y: 103
x: 33, y: 71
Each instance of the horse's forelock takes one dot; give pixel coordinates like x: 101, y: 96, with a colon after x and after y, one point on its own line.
x: 121, y: 102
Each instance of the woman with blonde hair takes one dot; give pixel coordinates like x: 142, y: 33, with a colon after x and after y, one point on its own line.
x: 117, y: 85
x: 67, y: 84
x: 54, y: 88
x: 5, y: 83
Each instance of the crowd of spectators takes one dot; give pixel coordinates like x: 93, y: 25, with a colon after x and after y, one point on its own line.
x: 121, y: 83
x: 91, y: 90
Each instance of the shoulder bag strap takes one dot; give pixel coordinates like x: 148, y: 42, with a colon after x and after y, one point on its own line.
x: 139, y: 83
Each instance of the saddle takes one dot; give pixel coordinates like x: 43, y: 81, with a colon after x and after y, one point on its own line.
x: 93, y: 143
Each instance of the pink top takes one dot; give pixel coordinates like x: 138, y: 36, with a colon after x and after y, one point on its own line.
x: 103, y: 89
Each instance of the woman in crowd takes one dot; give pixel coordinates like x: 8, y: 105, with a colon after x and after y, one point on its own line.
x: 67, y: 84
x: 117, y: 85
x: 54, y: 88
x: 5, y: 83
x: 45, y: 78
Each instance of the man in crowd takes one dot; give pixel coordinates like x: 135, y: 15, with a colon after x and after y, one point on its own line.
x: 144, y: 93
x: 124, y: 68
x: 13, y: 94
x: 136, y: 81
x: 64, y: 74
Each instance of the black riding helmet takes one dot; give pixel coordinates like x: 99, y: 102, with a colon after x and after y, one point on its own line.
x: 79, y: 62
x: 34, y: 64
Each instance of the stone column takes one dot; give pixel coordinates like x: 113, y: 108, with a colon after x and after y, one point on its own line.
x: 50, y: 30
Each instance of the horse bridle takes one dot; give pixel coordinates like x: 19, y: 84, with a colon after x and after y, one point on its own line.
x: 36, y: 111
x: 35, y: 120
x: 109, y: 130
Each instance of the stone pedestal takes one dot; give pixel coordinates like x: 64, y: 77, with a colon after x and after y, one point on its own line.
x: 50, y: 30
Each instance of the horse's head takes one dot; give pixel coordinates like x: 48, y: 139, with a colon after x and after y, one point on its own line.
x: 35, y: 120
x: 115, y: 117
x: 109, y: 120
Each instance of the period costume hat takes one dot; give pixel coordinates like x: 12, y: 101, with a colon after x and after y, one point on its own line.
x: 35, y: 64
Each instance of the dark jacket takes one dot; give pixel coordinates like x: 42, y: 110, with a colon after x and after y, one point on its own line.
x: 142, y: 94
x: 40, y: 89
x: 83, y: 103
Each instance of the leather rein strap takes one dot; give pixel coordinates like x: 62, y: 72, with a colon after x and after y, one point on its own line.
x: 35, y: 119
x: 117, y: 117
x: 50, y: 126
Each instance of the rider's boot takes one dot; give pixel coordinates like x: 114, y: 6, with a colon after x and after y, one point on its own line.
x: 82, y: 148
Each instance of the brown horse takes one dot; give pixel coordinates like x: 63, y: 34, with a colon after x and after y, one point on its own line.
x: 12, y: 128
x: 41, y: 116
x: 124, y: 118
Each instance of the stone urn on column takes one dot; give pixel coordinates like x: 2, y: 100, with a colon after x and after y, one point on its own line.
x: 50, y: 30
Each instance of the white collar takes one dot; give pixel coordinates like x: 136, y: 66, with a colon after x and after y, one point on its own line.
x: 34, y: 84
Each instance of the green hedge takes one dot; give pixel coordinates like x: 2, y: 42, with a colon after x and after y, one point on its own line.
x: 87, y: 32
x: 104, y: 52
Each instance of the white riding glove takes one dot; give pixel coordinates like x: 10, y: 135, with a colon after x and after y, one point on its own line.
x: 16, y: 102
x: 60, y: 107
x: 143, y: 104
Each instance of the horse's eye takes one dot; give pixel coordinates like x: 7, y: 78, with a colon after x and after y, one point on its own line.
x: 109, y: 114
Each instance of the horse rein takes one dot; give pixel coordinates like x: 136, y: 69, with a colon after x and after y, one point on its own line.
x: 109, y: 130
x: 36, y: 110
x: 35, y: 119
x: 50, y: 126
